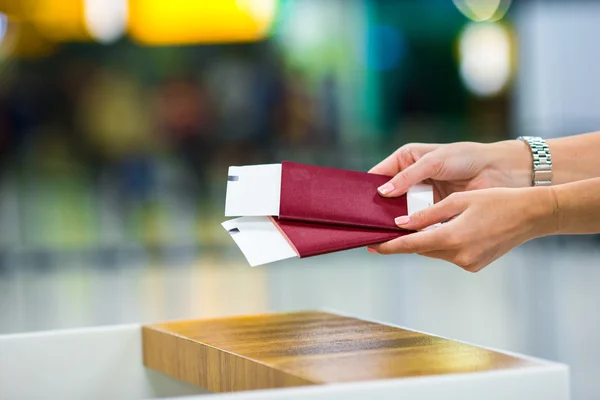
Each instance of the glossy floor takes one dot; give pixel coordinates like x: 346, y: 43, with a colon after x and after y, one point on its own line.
x: 541, y: 299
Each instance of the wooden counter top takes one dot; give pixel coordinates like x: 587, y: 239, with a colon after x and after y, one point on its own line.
x: 304, y: 348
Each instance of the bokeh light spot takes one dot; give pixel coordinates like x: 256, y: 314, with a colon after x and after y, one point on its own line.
x: 485, y: 58
x: 483, y: 10
x: 106, y: 20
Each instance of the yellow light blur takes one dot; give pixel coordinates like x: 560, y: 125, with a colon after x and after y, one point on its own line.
x: 59, y: 21
x: 73, y: 20
x: 181, y: 22
x: 23, y: 41
x: 483, y: 10
x: 12, y: 8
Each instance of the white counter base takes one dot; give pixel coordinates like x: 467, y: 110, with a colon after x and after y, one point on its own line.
x: 106, y: 363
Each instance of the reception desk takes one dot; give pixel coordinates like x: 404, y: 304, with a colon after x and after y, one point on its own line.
x: 299, y: 355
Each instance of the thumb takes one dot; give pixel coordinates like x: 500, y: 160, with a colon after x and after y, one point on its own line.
x: 425, y: 168
x: 439, y: 212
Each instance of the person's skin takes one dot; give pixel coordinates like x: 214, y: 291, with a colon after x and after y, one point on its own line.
x: 484, y: 191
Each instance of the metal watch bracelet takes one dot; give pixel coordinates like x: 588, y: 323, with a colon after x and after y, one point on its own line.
x: 542, y: 160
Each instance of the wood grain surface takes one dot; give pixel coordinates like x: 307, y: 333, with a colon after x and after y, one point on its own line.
x: 304, y: 348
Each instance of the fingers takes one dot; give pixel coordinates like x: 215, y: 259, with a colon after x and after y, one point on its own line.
x: 439, y: 243
x: 445, y: 210
x: 389, y: 166
x: 441, y: 238
x: 419, y: 242
x: 403, y: 157
x: 425, y: 168
x: 465, y: 260
x: 446, y: 255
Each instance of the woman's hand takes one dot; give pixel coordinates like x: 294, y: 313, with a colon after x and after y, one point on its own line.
x: 456, y: 167
x: 484, y: 225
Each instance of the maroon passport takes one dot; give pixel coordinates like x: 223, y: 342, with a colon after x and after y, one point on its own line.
x: 337, y: 197
x: 324, y: 210
x: 310, y: 239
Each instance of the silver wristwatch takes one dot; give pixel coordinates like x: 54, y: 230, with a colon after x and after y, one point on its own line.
x: 542, y: 160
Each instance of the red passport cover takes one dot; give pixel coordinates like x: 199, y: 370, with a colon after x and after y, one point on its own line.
x: 310, y: 239
x: 334, y: 196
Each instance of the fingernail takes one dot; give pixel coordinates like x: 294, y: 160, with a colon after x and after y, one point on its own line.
x: 403, y: 220
x: 371, y: 250
x: 385, y: 189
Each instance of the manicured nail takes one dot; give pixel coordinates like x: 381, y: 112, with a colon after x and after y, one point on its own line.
x: 371, y: 250
x: 385, y: 189
x: 403, y: 220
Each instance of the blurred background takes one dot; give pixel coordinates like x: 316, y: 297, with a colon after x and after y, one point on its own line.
x: 119, y: 118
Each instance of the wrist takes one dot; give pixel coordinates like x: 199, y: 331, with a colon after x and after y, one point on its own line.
x: 544, y: 211
x: 513, y: 159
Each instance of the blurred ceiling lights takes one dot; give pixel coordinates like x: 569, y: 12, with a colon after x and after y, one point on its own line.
x: 485, y: 58
x: 59, y: 21
x: 19, y: 38
x: 106, y: 20
x: 3, y: 26
x: 149, y: 22
x: 483, y: 10
x: 179, y: 22
x: 70, y: 20
x: 3, y: 45
x: 262, y: 11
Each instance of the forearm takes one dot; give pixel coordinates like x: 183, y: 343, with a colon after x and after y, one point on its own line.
x: 575, y: 158
x: 576, y: 207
